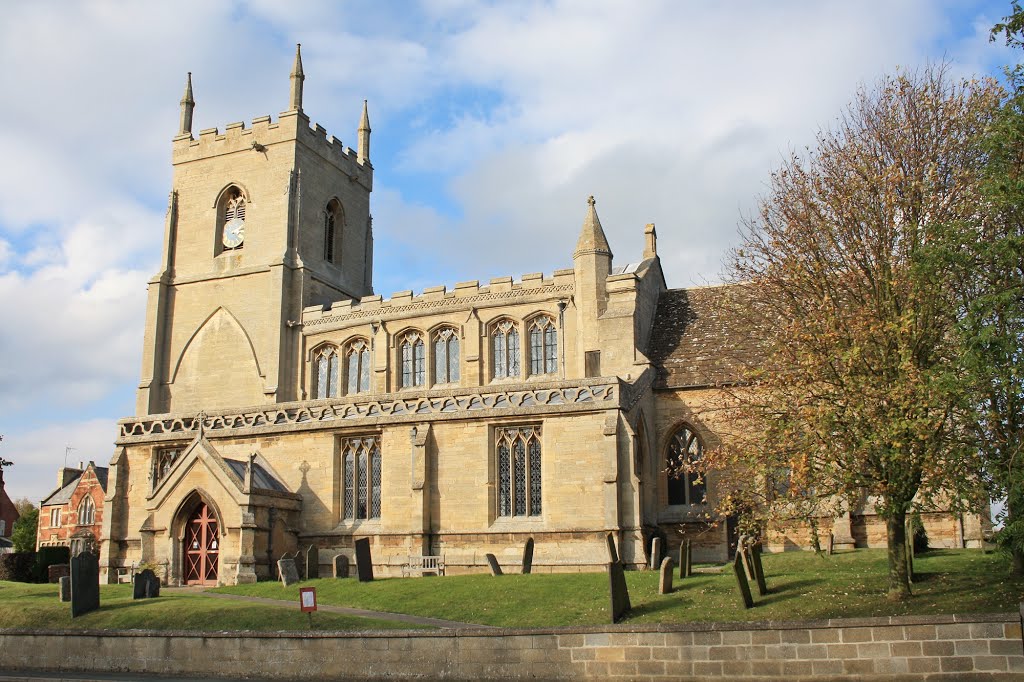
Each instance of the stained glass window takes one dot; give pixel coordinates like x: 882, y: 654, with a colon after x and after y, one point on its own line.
x: 519, y: 471
x: 414, y: 370
x: 505, y: 342
x: 326, y: 363
x: 685, y: 479
x: 163, y: 459
x: 446, y: 356
x: 358, y: 368
x: 361, y: 474
x: 543, y: 346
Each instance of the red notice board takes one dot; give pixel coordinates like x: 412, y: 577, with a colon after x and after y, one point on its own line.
x: 307, y: 599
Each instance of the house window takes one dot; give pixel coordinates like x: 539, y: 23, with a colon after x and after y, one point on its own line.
x: 3, y: 528
x: 358, y: 366
x: 55, y: 517
x: 446, y: 356
x: 163, y: 459
x: 87, y: 512
x: 505, y: 343
x: 685, y: 480
x: 543, y: 346
x: 519, y: 473
x: 361, y: 477
x: 414, y: 371
x: 326, y: 363
x: 332, y: 232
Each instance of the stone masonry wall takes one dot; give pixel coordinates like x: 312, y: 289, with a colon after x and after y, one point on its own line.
x: 978, y: 646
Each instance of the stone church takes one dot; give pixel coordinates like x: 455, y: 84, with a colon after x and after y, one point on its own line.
x: 283, y: 403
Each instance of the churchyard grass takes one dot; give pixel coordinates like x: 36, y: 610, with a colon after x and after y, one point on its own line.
x: 801, y: 586
x: 36, y: 606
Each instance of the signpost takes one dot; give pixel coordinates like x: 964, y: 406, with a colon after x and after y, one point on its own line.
x: 307, y: 602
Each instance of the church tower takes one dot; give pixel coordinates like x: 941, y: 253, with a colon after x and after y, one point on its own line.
x: 261, y: 222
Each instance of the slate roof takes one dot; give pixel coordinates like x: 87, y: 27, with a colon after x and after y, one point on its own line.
x: 261, y: 478
x: 63, y: 495
x: 695, y: 342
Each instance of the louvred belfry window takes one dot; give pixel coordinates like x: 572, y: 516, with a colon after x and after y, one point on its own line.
x: 235, y: 208
x: 361, y: 471
x: 518, y: 450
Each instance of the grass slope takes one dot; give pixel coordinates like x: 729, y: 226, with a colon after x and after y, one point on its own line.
x: 801, y: 586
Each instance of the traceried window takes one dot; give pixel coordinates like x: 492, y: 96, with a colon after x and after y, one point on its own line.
x: 685, y: 479
x: 87, y: 512
x: 519, y: 472
x: 361, y: 477
x: 163, y: 460
x: 325, y: 363
x: 55, y: 517
x: 446, y: 356
x: 505, y: 347
x: 357, y: 366
x: 543, y: 346
x: 332, y: 232
x: 413, y: 354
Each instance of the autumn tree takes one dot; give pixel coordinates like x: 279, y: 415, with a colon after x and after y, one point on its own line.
x: 845, y: 280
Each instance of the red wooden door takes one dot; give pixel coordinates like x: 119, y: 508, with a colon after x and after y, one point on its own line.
x: 202, y: 546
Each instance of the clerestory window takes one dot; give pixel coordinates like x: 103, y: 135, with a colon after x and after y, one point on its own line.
x: 357, y: 366
x: 683, y: 460
x: 446, y: 356
x: 325, y: 362
x: 505, y: 349
x: 413, y: 355
x: 543, y: 346
x: 518, y: 452
x: 361, y: 477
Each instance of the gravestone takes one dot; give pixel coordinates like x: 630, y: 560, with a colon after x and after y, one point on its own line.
x: 300, y: 563
x: 613, y: 556
x: 287, y: 570
x: 755, y: 558
x: 341, y: 566
x: 312, y: 563
x: 744, y: 549
x: 492, y: 561
x: 665, y: 579
x: 685, y: 565
x: 831, y: 547
x: 528, y: 557
x: 85, y: 583
x: 64, y: 587
x: 741, y: 581
x: 655, y: 553
x: 364, y: 562
x: 145, y: 585
x: 619, y: 591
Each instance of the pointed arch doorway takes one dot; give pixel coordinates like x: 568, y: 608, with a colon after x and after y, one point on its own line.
x: 201, y: 548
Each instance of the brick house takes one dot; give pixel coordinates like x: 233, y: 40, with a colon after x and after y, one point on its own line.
x: 72, y: 515
x: 8, y: 515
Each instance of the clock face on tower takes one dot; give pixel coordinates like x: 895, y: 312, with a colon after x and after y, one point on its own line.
x: 234, y: 233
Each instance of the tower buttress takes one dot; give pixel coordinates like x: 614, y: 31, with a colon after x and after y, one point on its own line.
x: 295, y: 100
x: 188, y: 104
x: 364, y: 136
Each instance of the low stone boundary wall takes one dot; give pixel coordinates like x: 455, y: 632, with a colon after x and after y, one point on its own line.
x: 976, y: 646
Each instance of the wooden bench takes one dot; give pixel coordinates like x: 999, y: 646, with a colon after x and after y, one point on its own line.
x: 125, y: 574
x: 423, y: 564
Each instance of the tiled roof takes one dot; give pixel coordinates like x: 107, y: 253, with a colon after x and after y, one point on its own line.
x: 63, y: 495
x: 696, y: 342
x: 261, y: 478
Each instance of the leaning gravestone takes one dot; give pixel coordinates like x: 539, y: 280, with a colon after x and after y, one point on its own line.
x: 364, y: 563
x: 755, y: 559
x: 492, y: 561
x: 619, y: 591
x: 341, y: 566
x: 145, y: 585
x: 665, y: 579
x: 744, y: 549
x: 287, y: 570
x: 528, y: 557
x: 685, y: 563
x: 613, y: 556
x: 85, y: 583
x: 741, y: 581
x: 655, y: 553
x: 65, y: 587
x: 312, y: 563
x: 300, y: 563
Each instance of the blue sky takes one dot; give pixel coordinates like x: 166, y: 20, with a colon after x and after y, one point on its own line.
x: 492, y: 123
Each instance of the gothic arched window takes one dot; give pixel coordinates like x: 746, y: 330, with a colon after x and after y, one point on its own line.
x: 325, y: 364
x: 357, y: 366
x: 231, y: 218
x: 543, y: 346
x: 87, y: 512
x: 413, y: 355
x: 519, y: 474
x: 361, y: 472
x: 505, y: 347
x: 446, y: 356
x: 333, y: 223
x: 685, y: 479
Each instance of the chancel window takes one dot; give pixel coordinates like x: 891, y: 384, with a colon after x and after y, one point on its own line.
x: 163, y: 460
x: 55, y: 517
x: 87, y: 512
x: 505, y: 344
x: 358, y: 366
x: 446, y: 356
x: 685, y: 479
x: 543, y: 346
x: 326, y: 363
x: 413, y: 354
x: 519, y: 470
x: 361, y: 477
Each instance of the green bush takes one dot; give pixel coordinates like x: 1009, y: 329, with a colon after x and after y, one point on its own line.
x: 46, y: 557
x: 19, y: 567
